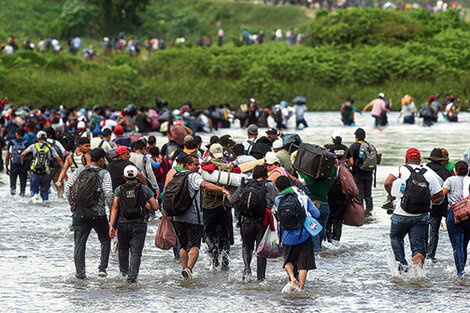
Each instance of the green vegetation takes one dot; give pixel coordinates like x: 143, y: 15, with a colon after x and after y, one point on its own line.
x: 354, y: 53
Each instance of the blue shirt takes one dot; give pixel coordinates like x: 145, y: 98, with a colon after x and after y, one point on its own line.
x: 291, y: 237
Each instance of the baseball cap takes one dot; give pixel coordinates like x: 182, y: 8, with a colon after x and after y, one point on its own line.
x: 118, y: 129
x: 252, y: 129
x: 381, y: 95
x: 188, y: 138
x: 271, y: 130
x: 432, y: 98
x: 130, y: 171
x: 337, y: 133
x: 42, y: 135
x: 81, y: 125
x: 120, y: 150
x: 413, y: 154
x: 278, y: 144
x: 271, y: 158
x: 216, y: 150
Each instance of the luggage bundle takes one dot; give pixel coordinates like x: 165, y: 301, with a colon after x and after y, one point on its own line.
x: 314, y: 161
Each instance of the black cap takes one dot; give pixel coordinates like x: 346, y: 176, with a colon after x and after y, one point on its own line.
x: 360, y: 134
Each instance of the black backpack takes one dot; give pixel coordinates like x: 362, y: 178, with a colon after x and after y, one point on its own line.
x: 259, y: 148
x: 252, y: 201
x: 176, y: 200
x: 417, y: 197
x: 87, y: 189
x: 54, y: 162
x: 291, y: 212
x: 132, y: 201
x: 17, y: 148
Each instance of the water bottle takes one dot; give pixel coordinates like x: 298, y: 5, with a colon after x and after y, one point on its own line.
x: 398, y: 188
x: 361, y: 154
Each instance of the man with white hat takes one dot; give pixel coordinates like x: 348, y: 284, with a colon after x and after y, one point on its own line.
x: 130, y: 200
x: 283, y: 156
x: 42, y: 156
x: 337, y: 148
x: 378, y: 106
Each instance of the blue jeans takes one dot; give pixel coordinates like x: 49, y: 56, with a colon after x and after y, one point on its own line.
x: 131, y: 234
x: 377, y: 120
x: 459, y: 237
x: 434, y: 224
x: 323, y: 219
x: 416, y: 227
x: 40, y: 184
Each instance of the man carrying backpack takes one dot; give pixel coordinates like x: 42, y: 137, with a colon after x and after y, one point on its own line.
x: 298, y: 246
x: 88, y: 190
x: 56, y: 169
x: 42, y: 156
x: 411, y: 215
x: 362, y: 159
x: 130, y: 201
x: 182, y: 200
x: 13, y: 159
x: 253, y: 199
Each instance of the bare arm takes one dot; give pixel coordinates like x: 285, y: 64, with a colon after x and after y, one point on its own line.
x: 437, y: 196
x: 388, y: 185
x: 367, y: 106
x: 153, y: 204
x: 169, y: 176
x: 7, y: 161
x: 65, y: 167
x: 112, y: 217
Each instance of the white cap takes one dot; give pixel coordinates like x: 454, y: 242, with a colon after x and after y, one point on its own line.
x: 81, y: 125
x: 130, y: 171
x: 278, y: 144
x: 176, y: 112
x: 42, y: 135
x: 381, y: 95
x: 271, y: 158
x: 336, y: 133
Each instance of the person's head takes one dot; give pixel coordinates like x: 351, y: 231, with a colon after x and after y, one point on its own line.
x: 413, y: 156
x: 283, y: 182
x: 214, y: 139
x: 445, y: 154
x: 152, y: 141
x: 130, y: 173
x: 216, y: 151
x: 437, y: 156
x: 154, y: 152
x: 252, y: 131
x: 272, y: 134
x: 97, y: 156
x: 191, y: 163
x: 226, y: 141
x: 278, y: 144
x: 30, y: 128
x: 190, y: 143
x: 337, y: 137
x: 180, y: 158
x: 107, y: 133
x: 42, y: 136
x: 360, y: 134
x: 198, y: 140
x: 118, y: 130
x: 272, y: 161
x: 461, y: 168
x: 260, y: 172
x: 122, y: 153
x: 50, y: 132
x: 448, y: 96
x: 381, y: 95
x: 138, y: 146
x: 238, y: 150
x: 20, y: 133
x: 84, y: 144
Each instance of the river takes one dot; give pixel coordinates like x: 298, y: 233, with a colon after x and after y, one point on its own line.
x: 357, y: 274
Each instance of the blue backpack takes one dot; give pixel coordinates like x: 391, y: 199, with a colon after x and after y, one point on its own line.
x: 16, y: 149
x: 291, y: 212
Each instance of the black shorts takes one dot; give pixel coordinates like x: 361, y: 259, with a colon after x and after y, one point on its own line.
x: 189, y: 235
x: 301, y: 255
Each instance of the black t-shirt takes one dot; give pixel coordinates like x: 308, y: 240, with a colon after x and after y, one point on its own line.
x: 338, y: 149
x: 116, y: 169
x: 353, y: 152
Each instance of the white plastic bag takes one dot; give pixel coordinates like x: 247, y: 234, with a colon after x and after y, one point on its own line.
x: 269, y: 246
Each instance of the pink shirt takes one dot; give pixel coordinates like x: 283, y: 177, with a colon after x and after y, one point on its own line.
x: 377, y: 106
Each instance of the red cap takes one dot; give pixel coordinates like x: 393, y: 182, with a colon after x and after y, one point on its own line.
x: 118, y: 129
x: 413, y: 154
x: 432, y: 98
x: 121, y: 150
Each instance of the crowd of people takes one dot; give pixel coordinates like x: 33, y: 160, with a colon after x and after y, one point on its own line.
x: 429, y: 111
x: 99, y: 158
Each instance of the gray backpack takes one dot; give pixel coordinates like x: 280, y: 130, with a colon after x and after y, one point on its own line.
x: 369, y: 157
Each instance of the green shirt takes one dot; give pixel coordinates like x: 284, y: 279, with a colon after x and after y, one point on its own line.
x: 450, y: 166
x: 319, y: 187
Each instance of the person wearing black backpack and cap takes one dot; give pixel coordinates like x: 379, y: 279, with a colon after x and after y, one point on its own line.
x: 298, y: 244
x: 130, y: 201
x: 363, y: 175
x: 252, y: 200
x: 88, y: 190
x: 411, y: 211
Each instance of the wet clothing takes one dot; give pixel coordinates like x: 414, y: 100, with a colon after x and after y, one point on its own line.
x: 337, y: 202
x: 363, y: 179
x: 40, y: 185
x: 189, y: 235
x: 252, y: 230
x: 116, y: 169
x: 82, y: 227
x: 301, y: 256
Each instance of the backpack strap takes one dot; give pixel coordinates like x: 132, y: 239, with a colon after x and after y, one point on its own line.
x: 73, y: 159
x: 101, y: 143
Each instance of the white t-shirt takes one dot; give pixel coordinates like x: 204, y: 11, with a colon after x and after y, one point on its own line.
x: 455, y: 185
x: 300, y: 110
x: 434, y: 185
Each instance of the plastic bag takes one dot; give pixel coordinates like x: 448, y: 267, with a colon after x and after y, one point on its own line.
x: 312, y: 225
x: 165, y: 237
x: 269, y: 246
